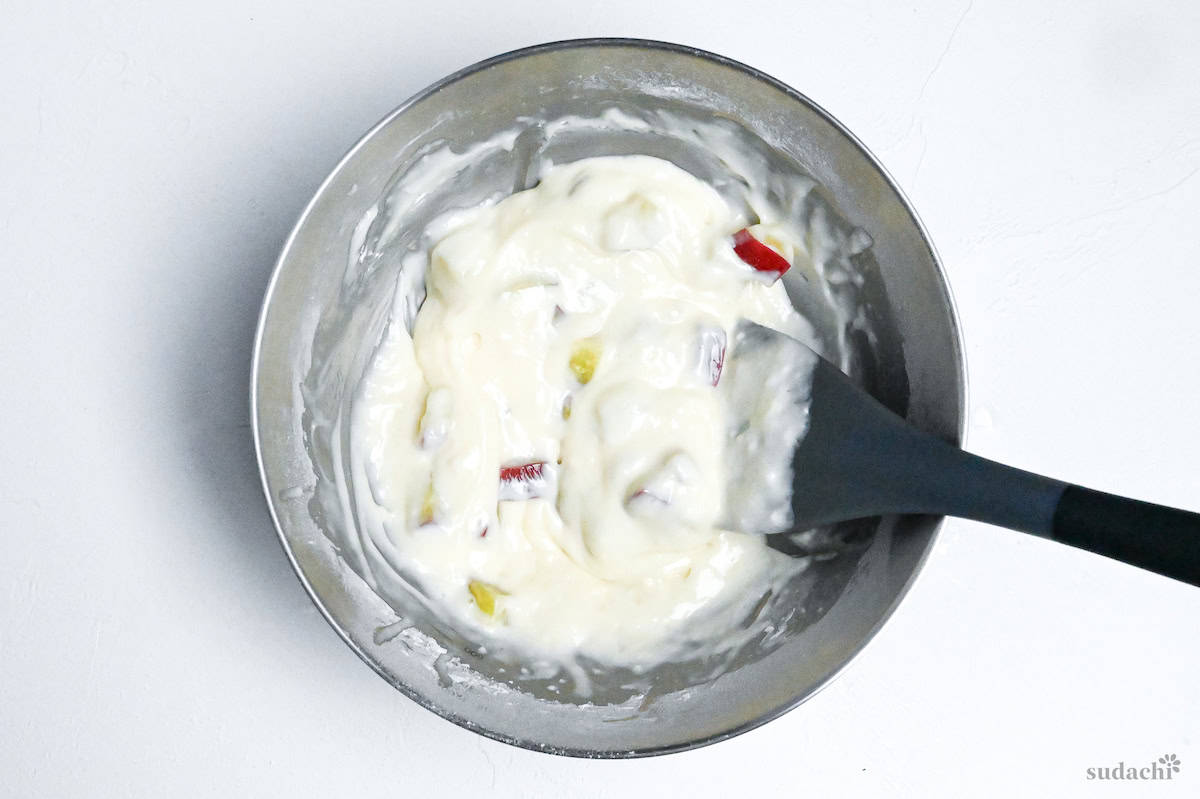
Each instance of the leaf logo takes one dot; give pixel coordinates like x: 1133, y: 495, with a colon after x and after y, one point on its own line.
x: 1170, y: 762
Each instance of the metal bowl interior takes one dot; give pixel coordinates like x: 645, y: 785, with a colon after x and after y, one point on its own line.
x: 912, y: 361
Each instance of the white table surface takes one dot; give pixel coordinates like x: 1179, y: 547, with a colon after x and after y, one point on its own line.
x: 153, y: 640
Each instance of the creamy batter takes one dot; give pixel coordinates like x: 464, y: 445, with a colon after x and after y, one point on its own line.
x: 546, y: 444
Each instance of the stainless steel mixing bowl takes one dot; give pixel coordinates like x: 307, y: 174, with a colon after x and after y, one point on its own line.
x: 911, y: 359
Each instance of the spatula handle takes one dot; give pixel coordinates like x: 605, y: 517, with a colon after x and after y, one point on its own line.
x: 860, y: 459
x: 1163, y: 540
x: 947, y: 480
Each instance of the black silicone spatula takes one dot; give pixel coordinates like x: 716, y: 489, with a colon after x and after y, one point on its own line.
x: 859, y: 459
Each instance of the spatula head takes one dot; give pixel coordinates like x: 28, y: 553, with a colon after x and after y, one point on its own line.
x: 803, y: 437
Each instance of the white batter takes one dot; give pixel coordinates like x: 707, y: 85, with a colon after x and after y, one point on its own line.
x: 547, y: 450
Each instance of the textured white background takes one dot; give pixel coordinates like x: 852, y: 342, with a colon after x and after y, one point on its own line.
x: 153, y: 641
